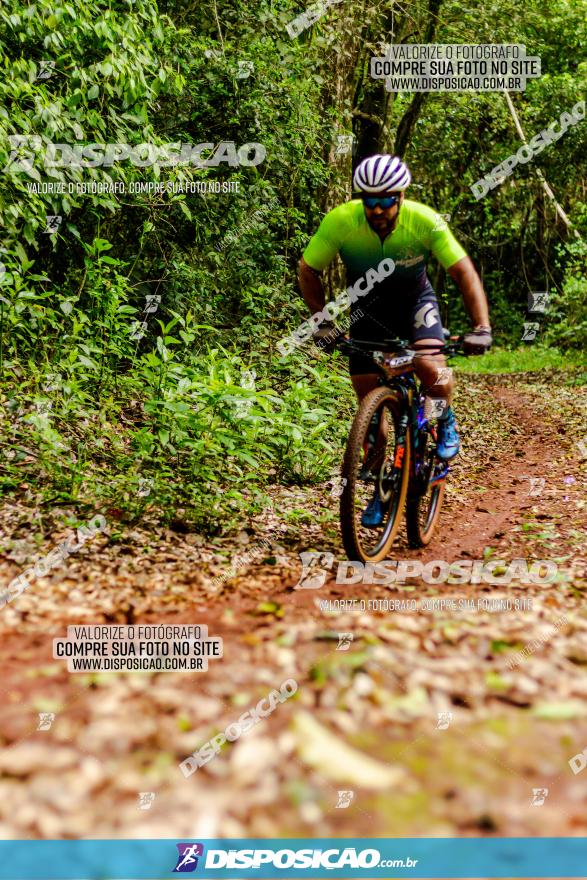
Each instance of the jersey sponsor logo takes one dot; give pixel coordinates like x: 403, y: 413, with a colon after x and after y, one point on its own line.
x: 410, y: 257
x: 426, y: 316
x: 412, y: 261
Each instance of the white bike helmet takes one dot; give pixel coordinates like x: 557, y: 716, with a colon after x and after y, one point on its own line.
x: 382, y: 174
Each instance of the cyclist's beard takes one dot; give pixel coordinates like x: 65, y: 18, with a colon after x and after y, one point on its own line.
x: 382, y: 225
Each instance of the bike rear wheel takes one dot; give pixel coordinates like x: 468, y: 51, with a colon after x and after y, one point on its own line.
x: 426, y: 494
x: 383, y: 466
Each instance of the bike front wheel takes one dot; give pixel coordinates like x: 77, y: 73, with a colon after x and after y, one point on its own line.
x: 376, y: 469
x: 426, y: 495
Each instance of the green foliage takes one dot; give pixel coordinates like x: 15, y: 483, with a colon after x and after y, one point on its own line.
x: 108, y: 74
x: 97, y: 415
x: 513, y: 233
x: 568, y: 311
x: 528, y: 357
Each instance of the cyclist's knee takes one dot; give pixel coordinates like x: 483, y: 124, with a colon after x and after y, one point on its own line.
x: 364, y: 383
x: 429, y: 362
x: 433, y: 373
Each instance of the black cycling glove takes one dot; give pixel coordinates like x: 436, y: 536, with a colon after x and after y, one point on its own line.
x: 326, y: 336
x: 478, y: 341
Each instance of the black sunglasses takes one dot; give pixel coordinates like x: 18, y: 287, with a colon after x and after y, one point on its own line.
x: 382, y: 201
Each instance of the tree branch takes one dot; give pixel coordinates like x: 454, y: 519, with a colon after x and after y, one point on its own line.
x: 539, y: 173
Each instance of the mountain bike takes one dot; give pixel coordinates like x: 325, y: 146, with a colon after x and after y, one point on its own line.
x: 392, y: 446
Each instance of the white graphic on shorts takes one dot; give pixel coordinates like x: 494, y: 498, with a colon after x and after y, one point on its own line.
x: 426, y: 316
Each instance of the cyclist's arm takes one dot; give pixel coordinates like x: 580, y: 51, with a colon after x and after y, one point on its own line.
x: 467, y: 280
x: 320, y: 252
x: 311, y: 287
x: 453, y: 257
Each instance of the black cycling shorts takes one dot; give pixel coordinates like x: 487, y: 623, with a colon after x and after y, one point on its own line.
x: 410, y: 315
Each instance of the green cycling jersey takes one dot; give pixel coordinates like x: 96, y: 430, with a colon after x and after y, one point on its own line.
x: 419, y: 232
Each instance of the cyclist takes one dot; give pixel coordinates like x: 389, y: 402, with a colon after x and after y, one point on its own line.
x: 382, y: 225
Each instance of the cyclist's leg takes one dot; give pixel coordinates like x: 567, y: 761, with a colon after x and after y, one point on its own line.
x: 426, y: 334
x: 377, y: 321
x: 375, y: 442
x: 364, y: 381
x: 431, y: 369
x: 373, y: 325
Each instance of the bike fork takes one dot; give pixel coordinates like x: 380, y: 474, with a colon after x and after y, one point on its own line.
x: 402, y: 435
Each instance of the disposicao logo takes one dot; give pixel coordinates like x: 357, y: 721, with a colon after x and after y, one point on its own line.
x: 300, y: 859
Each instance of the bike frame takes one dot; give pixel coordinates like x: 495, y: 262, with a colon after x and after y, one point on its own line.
x: 412, y: 428
x: 412, y: 425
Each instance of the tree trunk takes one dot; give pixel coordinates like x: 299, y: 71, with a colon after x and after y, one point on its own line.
x: 410, y: 117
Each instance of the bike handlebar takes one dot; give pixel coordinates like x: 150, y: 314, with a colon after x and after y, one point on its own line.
x: 348, y: 346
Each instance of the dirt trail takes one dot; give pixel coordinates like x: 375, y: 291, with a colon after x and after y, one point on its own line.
x: 364, y: 719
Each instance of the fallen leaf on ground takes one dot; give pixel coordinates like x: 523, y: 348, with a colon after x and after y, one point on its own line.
x: 336, y: 760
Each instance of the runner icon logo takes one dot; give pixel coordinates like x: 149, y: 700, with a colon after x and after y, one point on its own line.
x: 536, y: 485
x: 435, y: 407
x: 444, y: 719
x: 344, y: 144
x: 444, y: 376
x: 245, y: 69
x: 46, y: 69
x: 531, y: 328
x: 146, y: 799
x: 337, y: 488
x: 539, y: 795
x: 46, y: 719
x: 344, y: 799
x: 344, y: 641
x: 187, y: 860
x: 316, y: 579
x: 53, y: 223
x: 538, y: 301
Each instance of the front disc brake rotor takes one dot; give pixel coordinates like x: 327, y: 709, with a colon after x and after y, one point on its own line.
x: 385, y: 480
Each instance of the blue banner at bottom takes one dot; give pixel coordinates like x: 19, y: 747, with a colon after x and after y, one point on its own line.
x: 300, y: 857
